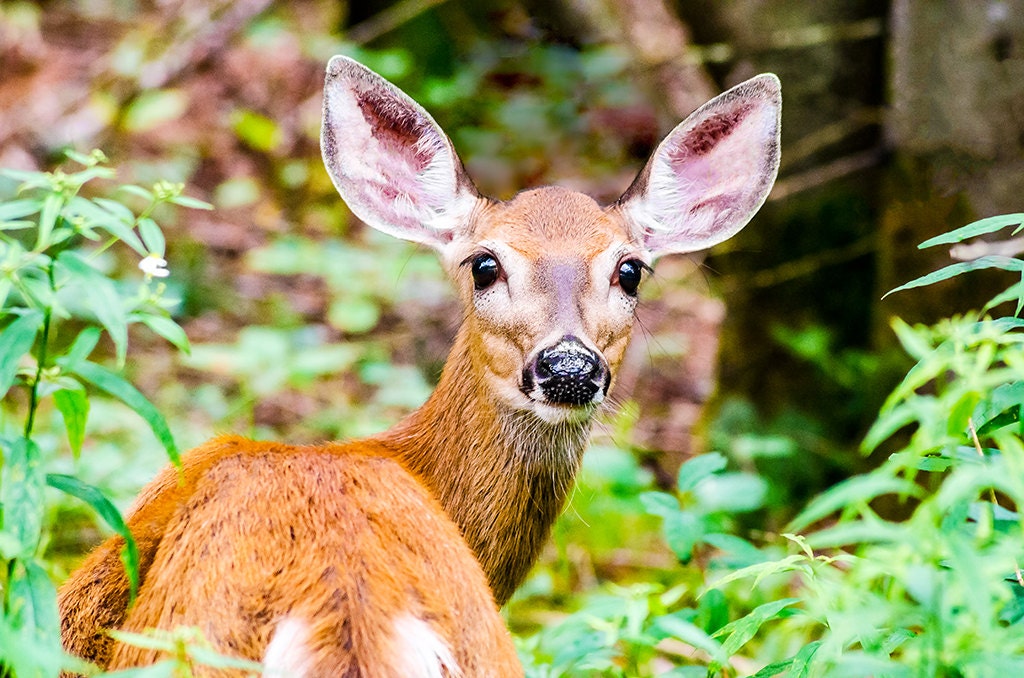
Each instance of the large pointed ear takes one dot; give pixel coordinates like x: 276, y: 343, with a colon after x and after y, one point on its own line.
x: 389, y: 160
x: 711, y: 173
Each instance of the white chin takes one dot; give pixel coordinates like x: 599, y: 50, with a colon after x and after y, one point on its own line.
x: 557, y: 414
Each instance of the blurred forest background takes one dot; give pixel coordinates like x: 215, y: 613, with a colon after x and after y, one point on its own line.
x: 901, y: 120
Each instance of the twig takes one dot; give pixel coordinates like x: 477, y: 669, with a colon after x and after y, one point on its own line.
x: 387, y: 20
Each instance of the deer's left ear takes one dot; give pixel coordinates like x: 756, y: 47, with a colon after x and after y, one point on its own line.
x: 711, y: 173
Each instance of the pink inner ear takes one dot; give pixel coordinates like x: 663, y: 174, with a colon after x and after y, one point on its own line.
x: 402, y: 147
x: 397, y: 130
x: 706, y: 135
x: 708, y: 178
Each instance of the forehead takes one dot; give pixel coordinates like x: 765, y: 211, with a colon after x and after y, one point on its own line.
x: 551, y: 221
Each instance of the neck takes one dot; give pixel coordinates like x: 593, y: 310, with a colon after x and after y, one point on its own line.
x: 502, y: 475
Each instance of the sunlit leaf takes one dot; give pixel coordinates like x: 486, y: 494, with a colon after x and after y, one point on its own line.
x: 166, y: 328
x: 953, y: 270
x: 153, y: 108
x: 980, y: 227
x: 32, y: 601
x: 74, y: 409
x: 21, y: 493
x: 109, y: 514
x: 167, y: 668
x: 18, y: 209
x: 731, y: 492
x: 674, y: 626
x: 193, y: 203
x: 860, y: 532
x: 152, y: 236
x: 48, y: 219
x: 697, y: 469
x: 102, y: 299
x: 743, y: 629
x: 80, y: 349
x: 16, y: 340
x: 256, y: 131
x: 851, y: 492
x: 113, y: 384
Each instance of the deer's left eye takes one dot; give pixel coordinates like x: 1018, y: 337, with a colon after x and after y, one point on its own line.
x: 629, y: 274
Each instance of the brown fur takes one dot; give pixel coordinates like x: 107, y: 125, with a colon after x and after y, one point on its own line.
x: 346, y: 534
x: 374, y: 552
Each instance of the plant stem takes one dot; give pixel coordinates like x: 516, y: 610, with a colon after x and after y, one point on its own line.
x: 41, y: 356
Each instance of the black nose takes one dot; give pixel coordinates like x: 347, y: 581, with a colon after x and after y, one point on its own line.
x: 567, y: 373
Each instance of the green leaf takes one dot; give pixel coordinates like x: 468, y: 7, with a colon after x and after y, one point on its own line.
x: 113, y: 384
x: 354, y: 315
x: 121, y: 224
x: 80, y: 349
x: 659, y: 503
x: 699, y: 468
x: 216, y: 660
x: 802, y: 661
x: 761, y: 570
x: 674, y: 626
x: 915, y: 341
x: 22, y: 493
x: 152, y: 236
x: 19, y: 209
x: 860, y: 532
x: 980, y: 227
x: 731, y: 492
x: 48, y: 219
x: 774, y: 669
x: 32, y: 601
x: 74, y: 408
x: 101, y: 296
x: 743, y: 629
x: 256, y: 131
x: 168, y: 668
x: 153, y: 108
x: 682, y: 529
x: 166, y: 328
x: 16, y: 340
x: 193, y: 203
x: 953, y: 270
x: 851, y: 492
x: 110, y: 515
x: 1014, y: 292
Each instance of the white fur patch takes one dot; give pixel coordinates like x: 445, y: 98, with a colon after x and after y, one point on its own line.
x: 288, y: 655
x: 420, y: 652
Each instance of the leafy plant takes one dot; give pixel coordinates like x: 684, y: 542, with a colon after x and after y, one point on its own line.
x: 912, y: 569
x: 55, y: 303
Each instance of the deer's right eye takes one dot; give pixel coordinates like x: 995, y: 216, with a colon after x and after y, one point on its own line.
x: 485, y: 271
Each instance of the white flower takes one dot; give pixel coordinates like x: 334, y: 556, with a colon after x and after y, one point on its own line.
x: 154, y: 266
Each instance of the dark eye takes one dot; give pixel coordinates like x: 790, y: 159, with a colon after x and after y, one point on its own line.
x: 630, y: 272
x: 485, y: 271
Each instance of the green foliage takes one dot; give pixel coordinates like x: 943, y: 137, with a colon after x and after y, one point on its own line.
x: 56, y: 300
x: 912, y: 569
x: 186, y: 649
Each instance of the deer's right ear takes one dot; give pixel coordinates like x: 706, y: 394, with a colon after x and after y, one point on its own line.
x: 392, y: 164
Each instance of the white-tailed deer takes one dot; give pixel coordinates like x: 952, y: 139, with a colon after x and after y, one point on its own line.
x: 385, y: 556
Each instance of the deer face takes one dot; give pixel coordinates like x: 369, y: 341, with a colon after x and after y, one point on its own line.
x: 549, y: 279
x: 550, y: 282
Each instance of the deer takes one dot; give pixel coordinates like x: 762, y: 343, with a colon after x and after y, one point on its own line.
x: 390, y: 555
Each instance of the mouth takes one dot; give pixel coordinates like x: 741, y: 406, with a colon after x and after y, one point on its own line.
x: 557, y: 413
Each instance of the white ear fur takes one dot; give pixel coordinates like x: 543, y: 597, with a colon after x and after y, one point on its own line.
x: 389, y: 160
x: 711, y: 174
